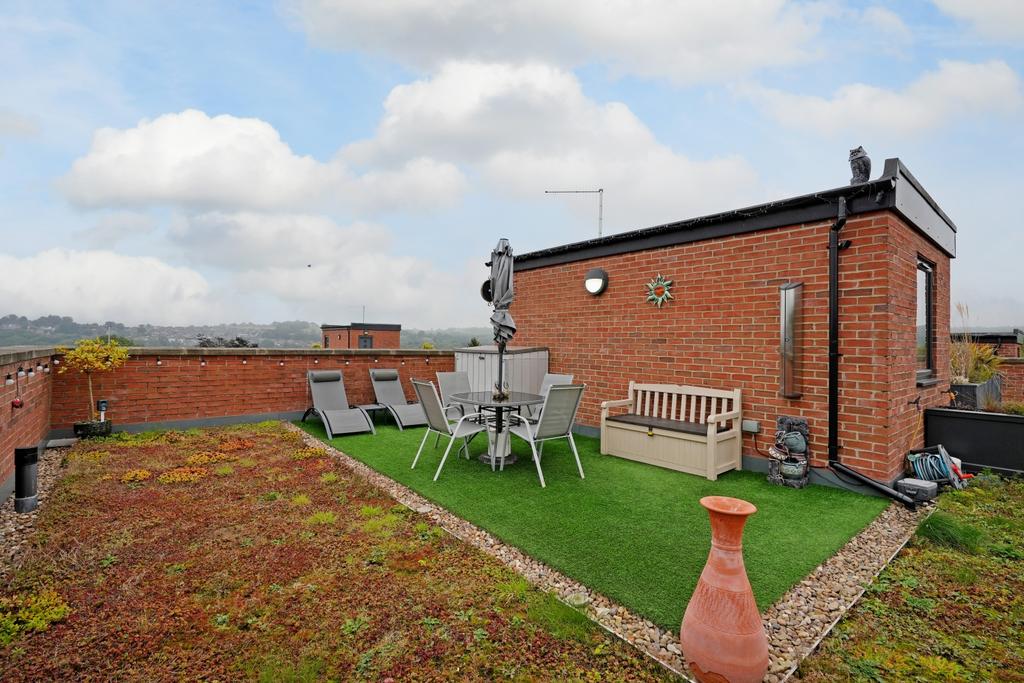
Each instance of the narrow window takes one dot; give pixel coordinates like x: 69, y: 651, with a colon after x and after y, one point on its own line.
x: 925, y: 319
x: 327, y: 342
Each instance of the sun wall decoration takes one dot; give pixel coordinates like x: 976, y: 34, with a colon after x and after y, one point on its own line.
x: 659, y: 290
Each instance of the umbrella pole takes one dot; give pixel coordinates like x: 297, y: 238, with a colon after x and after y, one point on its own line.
x: 501, y: 367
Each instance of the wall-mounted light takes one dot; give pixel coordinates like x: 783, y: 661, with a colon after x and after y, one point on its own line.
x: 428, y: 361
x: 39, y: 367
x: 46, y: 367
x: 346, y: 362
x: 596, y: 281
x: 158, y: 361
x: 316, y: 361
x: 9, y: 380
x: 245, y: 361
x: 403, y: 362
x: 56, y: 361
x: 202, y: 362
x: 280, y: 362
x: 375, y: 360
x: 31, y: 371
x: 21, y: 372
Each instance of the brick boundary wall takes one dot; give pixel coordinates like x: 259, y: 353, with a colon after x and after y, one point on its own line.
x: 1012, y: 371
x: 164, y: 385
x: 721, y: 329
x: 30, y: 424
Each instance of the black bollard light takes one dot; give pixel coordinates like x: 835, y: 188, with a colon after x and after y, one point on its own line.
x: 26, y: 467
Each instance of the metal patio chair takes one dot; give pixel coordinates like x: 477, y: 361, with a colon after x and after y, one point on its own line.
x: 465, y: 428
x: 532, y: 413
x: 388, y: 392
x: 449, y: 383
x: 327, y: 388
x: 557, y: 417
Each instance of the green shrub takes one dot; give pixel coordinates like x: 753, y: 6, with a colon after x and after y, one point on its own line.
x: 34, y: 612
x: 321, y: 517
x: 944, y: 529
x: 1013, y: 407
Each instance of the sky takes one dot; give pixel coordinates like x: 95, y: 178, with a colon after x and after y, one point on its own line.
x: 189, y: 163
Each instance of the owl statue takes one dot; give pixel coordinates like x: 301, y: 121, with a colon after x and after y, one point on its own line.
x: 860, y: 165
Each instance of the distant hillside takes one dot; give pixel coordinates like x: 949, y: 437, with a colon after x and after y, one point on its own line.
x: 52, y: 330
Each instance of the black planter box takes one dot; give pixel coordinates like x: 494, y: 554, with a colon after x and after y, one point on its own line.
x: 981, y: 440
x: 978, y: 396
x: 86, y: 430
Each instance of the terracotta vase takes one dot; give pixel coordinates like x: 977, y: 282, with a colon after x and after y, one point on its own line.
x: 722, y: 638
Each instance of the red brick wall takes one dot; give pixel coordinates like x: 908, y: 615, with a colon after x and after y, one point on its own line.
x: 906, y: 421
x: 28, y: 425
x: 181, y: 388
x: 1008, y: 350
x: 349, y: 339
x: 722, y: 328
x: 1012, y: 371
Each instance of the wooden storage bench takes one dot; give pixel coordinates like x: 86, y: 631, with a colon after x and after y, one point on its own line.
x: 689, y: 429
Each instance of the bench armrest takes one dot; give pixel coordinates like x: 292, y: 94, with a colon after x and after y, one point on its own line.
x: 616, y: 404
x: 722, y: 417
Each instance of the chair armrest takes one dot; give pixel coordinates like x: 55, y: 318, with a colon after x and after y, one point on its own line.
x: 616, y: 404
x: 722, y: 417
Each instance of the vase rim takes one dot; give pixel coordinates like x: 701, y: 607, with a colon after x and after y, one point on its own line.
x: 728, y: 506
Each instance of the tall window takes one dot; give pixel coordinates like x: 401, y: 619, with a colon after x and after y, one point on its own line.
x: 365, y: 341
x: 925, y: 319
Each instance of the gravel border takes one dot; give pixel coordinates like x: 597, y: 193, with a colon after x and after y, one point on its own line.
x: 16, y: 528
x: 795, y: 624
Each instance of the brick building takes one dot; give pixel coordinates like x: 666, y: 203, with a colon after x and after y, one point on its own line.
x: 361, y: 336
x: 722, y: 326
x: 1008, y: 344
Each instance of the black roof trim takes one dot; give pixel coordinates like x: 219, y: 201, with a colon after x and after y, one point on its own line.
x: 380, y: 327
x: 874, y: 195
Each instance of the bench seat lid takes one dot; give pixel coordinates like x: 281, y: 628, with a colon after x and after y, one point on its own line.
x: 664, y: 423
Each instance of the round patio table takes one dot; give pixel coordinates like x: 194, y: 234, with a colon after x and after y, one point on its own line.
x: 497, y: 437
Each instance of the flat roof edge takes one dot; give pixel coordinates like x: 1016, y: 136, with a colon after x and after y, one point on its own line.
x: 896, y: 189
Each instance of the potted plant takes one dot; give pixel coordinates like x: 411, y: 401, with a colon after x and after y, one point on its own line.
x: 974, y: 369
x: 90, y: 356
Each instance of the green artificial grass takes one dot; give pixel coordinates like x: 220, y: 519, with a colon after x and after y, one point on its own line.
x: 633, y: 532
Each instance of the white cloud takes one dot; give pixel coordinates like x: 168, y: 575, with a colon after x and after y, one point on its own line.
x: 956, y: 90
x: 998, y: 19
x: 321, y: 270
x: 117, y: 226
x: 101, y: 285
x: 192, y: 159
x: 249, y: 240
x: 686, y: 42
x: 528, y: 128
x: 886, y: 21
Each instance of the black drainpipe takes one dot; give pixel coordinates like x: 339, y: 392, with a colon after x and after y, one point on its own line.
x: 834, y: 247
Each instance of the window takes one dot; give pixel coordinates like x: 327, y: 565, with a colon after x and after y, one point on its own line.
x: 327, y: 342
x: 925, y: 320
x: 365, y: 341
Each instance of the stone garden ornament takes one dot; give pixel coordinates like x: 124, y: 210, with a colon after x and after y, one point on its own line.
x: 860, y: 166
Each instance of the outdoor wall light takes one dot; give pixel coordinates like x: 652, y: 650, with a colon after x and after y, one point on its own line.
x: 21, y: 372
x: 202, y: 362
x: 31, y: 371
x: 316, y: 361
x: 280, y: 362
x: 9, y: 380
x: 403, y: 362
x: 158, y: 361
x: 39, y: 367
x: 46, y: 368
x: 245, y: 361
x: 596, y: 281
x: 346, y: 362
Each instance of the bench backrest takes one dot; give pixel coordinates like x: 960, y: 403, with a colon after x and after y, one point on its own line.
x: 680, y: 402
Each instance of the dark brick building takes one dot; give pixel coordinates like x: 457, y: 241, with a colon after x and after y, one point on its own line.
x: 361, y: 336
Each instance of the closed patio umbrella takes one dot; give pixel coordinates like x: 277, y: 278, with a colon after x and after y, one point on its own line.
x: 502, y: 293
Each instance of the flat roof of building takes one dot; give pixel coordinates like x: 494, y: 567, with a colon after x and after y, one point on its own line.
x: 897, y: 189
x: 382, y: 327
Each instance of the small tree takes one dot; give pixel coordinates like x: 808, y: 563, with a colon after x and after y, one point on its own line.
x: 93, y: 355
x: 473, y: 341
